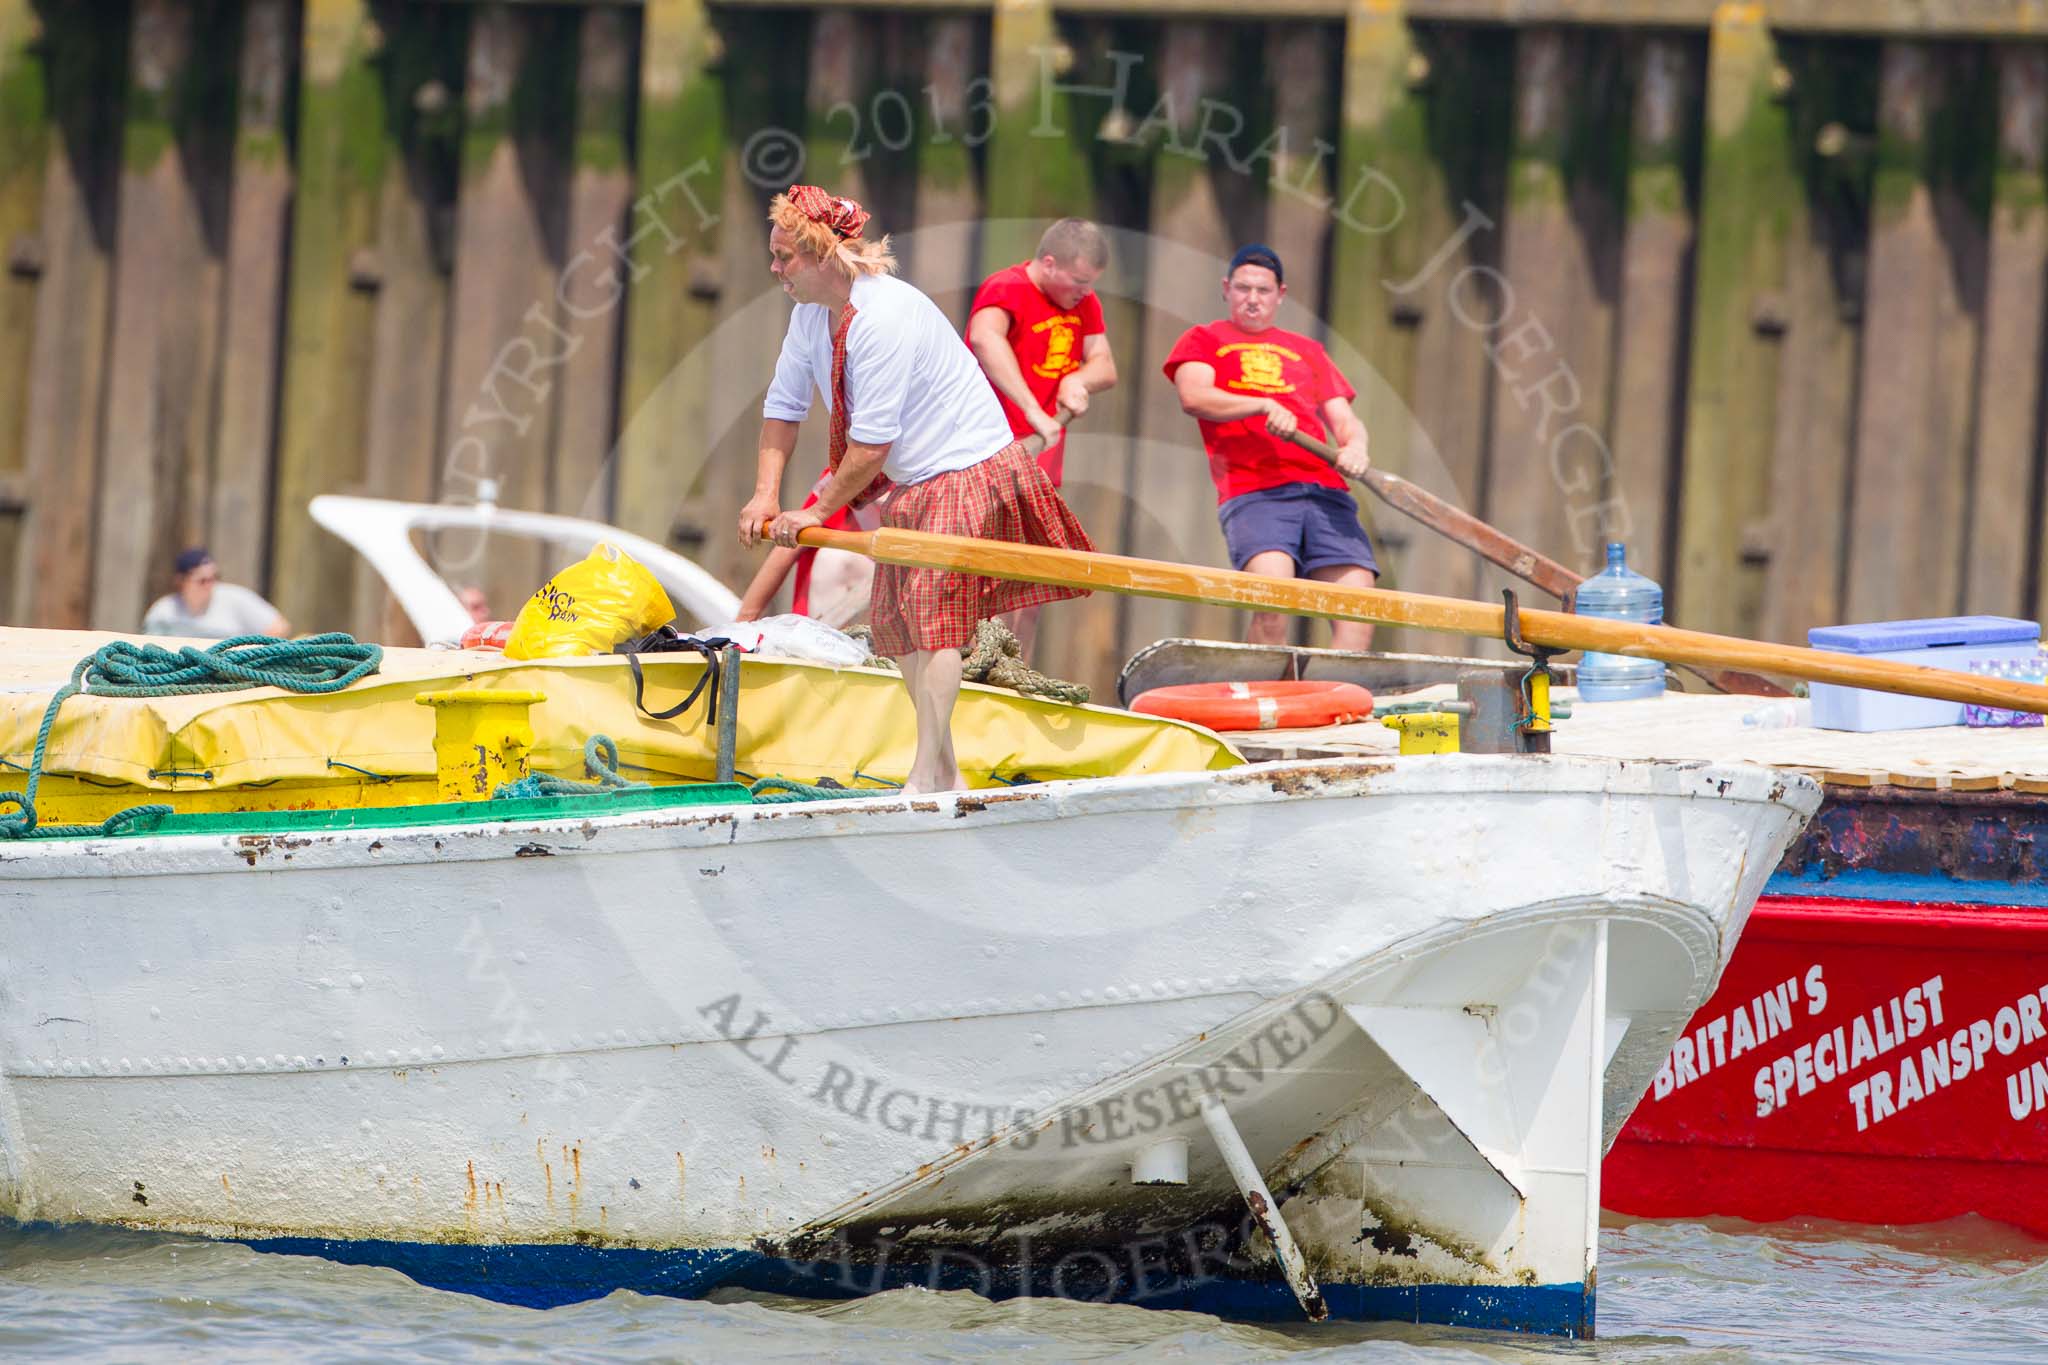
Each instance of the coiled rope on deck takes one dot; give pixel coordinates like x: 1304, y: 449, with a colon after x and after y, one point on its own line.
x: 122, y: 668
x: 776, y: 791
x: 997, y: 659
x: 600, y: 761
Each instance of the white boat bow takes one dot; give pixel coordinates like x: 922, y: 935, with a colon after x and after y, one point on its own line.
x: 838, y: 1046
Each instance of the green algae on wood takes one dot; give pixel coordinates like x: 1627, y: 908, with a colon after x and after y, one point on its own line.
x: 403, y: 450
x: 1996, y: 571
x: 506, y: 343
x: 1927, y: 249
x: 600, y: 192
x: 24, y: 140
x: 1415, y: 211
x: 85, y: 59
x: 1650, y: 339
x: 672, y: 230
x: 1046, y: 116
x: 1751, y: 200
x: 339, y: 171
x: 238, y: 516
x: 1551, y: 337
x: 1198, y: 215
x: 156, y: 466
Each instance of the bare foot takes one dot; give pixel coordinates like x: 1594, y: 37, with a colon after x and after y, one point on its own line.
x: 917, y: 785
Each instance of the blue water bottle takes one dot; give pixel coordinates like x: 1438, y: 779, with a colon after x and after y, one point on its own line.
x: 1619, y: 593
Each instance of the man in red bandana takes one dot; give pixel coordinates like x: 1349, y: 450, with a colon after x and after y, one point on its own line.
x: 908, y: 404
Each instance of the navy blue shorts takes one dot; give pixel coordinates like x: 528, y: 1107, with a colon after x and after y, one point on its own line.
x: 1317, y: 526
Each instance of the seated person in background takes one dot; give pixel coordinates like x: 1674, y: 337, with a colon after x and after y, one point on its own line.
x: 474, y: 602
x: 1251, y: 385
x: 199, y: 604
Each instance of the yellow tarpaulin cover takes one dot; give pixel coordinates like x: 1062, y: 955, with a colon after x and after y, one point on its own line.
x: 796, y: 720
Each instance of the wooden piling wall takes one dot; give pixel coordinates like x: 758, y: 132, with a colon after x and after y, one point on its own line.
x: 1756, y: 287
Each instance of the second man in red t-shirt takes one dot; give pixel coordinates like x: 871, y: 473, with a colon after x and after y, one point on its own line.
x: 1036, y: 327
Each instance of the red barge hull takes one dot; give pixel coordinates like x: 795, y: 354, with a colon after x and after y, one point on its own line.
x: 1877, y: 1051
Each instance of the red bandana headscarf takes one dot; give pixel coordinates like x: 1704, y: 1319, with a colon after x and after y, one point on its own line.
x: 843, y: 216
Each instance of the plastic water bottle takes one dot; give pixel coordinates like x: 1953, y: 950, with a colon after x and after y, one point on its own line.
x: 2034, y: 670
x: 1619, y: 593
x: 1785, y: 714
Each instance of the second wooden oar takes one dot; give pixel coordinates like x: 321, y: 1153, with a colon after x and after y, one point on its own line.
x: 1497, y: 547
x: 1306, y: 597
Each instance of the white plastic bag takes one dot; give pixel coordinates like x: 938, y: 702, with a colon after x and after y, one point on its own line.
x: 792, y: 637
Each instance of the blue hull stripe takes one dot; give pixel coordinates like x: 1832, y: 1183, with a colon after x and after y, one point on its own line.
x: 1923, y: 887
x: 549, y: 1275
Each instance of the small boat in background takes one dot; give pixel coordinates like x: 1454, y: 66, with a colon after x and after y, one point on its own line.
x: 382, y: 530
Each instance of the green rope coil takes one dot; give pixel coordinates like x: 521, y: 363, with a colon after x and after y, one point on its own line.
x: 600, y: 761
x: 775, y: 791
x: 316, y: 664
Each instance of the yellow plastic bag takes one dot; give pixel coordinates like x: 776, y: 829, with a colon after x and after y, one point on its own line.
x: 587, y: 608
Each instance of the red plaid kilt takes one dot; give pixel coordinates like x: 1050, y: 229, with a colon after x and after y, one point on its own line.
x: 1005, y: 497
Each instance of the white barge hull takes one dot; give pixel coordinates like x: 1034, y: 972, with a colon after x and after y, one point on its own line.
x: 836, y: 1047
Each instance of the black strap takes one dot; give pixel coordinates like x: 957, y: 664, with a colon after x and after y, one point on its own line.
x: 669, y: 641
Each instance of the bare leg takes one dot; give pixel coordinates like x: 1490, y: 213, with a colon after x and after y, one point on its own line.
x: 934, y: 680
x: 1352, y: 635
x: 1269, y: 627
x: 1023, y: 624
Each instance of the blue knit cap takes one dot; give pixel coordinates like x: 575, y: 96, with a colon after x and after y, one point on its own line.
x: 1257, y: 253
x: 188, y: 560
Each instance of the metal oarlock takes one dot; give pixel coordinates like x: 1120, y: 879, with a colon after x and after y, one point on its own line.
x: 1510, y: 714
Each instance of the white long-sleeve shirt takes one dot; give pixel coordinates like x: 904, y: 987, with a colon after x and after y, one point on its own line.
x: 911, y: 381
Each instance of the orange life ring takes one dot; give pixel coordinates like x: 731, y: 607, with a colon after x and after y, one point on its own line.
x: 1279, y: 705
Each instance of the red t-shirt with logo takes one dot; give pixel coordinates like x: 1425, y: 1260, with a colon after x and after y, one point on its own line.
x: 1047, y: 342
x: 1243, y: 456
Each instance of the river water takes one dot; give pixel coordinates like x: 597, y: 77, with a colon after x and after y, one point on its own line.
x: 1670, y: 1292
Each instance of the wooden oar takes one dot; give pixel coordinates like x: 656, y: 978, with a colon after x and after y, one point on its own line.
x: 1034, y: 444
x: 1489, y: 542
x: 1306, y: 597
x: 1497, y: 547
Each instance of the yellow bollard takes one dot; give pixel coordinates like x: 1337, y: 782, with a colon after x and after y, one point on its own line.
x: 481, y: 738
x: 1425, y: 732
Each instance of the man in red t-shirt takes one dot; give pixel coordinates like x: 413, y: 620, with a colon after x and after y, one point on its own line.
x: 1037, y: 329
x: 1250, y: 384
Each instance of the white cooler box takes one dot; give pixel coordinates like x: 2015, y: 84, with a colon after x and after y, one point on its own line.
x: 1953, y: 642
